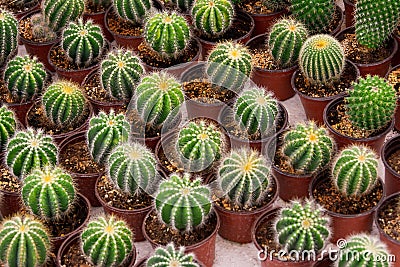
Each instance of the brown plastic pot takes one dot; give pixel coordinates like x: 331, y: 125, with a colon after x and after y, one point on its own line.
x: 21, y: 14
x: 264, y: 22
x: 392, y: 178
x: 21, y: 110
x: 397, y: 112
x: 11, y: 203
x: 98, y: 18
x: 396, y: 58
x: 338, y: 28
x: 349, y: 11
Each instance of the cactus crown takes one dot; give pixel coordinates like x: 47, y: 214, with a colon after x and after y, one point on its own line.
x: 182, y: 203
x: 244, y: 176
x: 184, y: 5
x: 285, y: 41
x: 371, y: 103
x: 169, y: 256
x: 308, y: 148
x: 322, y: 59
x: 132, y: 10
x: 107, y: 242
x: 302, y: 227
x: 256, y: 111
x: 58, y: 13
x: 8, y: 35
x: 375, y: 21
x: 355, y: 170
x: 120, y: 71
x: 23, y: 242
x: 213, y: 17
x: 167, y: 33
x: 30, y: 149
x: 8, y: 126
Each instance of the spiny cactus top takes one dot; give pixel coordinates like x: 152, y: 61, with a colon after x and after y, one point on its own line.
x: 23, y: 242
x: 30, y: 149
x: 256, y: 111
x: 8, y: 126
x: 302, y: 227
x: 167, y: 33
x: 244, y: 176
x: 8, y: 35
x: 157, y: 95
x: 58, y: 13
x: 107, y: 242
x: 321, y: 59
x: 169, y: 256
x: 375, y: 21
x: 285, y: 40
x: 106, y: 131
x: 120, y: 71
x: 307, y: 147
x: 132, y: 10
x: 182, y: 203
x: 213, y: 17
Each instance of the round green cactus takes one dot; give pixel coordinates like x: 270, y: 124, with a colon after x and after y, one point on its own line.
x: 24, y: 241
x: 107, y: 242
x: 169, y: 256
x: 25, y: 77
x: 285, y: 41
x: 28, y: 150
x: 120, y: 71
x: 322, y: 59
x: 371, y: 103
x: 182, y: 203
x: 64, y: 102
x: 8, y: 35
x: 8, y: 126
x: 132, y: 10
x: 58, y: 13
x: 184, y: 5
x: 48, y: 192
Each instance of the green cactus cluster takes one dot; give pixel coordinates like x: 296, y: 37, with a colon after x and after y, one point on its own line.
x: 24, y: 241
x: 8, y: 35
x: 169, y: 256
x: 8, y: 126
x: 183, y: 5
x: 371, y: 103
x: 322, y: 59
x: 58, y: 13
x: 285, y: 41
x: 107, y: 242
x: 120, y: 71
x: 40, y: 29
x: 182, y: 203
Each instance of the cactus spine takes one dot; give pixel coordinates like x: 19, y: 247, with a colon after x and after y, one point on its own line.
x: 169, y: 256
x: 132, y: 10
x: 58, y: 13
x: 8, y: 126
x: 8, y: 35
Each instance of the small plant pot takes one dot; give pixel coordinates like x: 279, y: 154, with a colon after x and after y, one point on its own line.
x: 98, y: 18
x: 397, y: 112
x: 10, y: 203
x: 396, y: 58
x: 349, y: 11
x: 21, y: 110
x: 392, y: 178
x: 264, y: 22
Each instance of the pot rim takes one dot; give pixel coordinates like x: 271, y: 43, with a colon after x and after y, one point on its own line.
x: 381, y: 205
x: 388, y: 144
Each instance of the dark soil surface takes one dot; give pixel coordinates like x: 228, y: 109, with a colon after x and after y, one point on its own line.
x: 8, y: 182
x: 389, y: 218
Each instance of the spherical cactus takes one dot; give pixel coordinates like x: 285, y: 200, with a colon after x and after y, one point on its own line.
x: 8, y: 35
x: 30, y: 149
x: 167, y: 33
x: 24, y: 241
x: 8, y: 126
x: 213, y: 17
x: 169, y: 256
x: 107, y: 242
x: 156, y: 96
x: 244, y: 176
x: 307, y: 147
x: 229, y: 65
x: 120, y: 71
x: 132, y: 10
x: 371, y: 103
x: 83, y: 42
x: 25, y: 77
x: 64, y: 102
x: 302, y: 227
x: 58, y: 13
x: 106, y: 131
x: 256, y: 111
x: 321, y: 59
x: 375, y: 21
x: 182, y: 203
x: 184, y: 5
x: 285, y: 40
x: 48, y: 192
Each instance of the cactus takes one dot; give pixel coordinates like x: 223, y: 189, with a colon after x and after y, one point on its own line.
x: 64, y: 103
x: 213, y: 17
x: 244, y: 177
x: 58, y: 13
x: 181, y: 203
x: 321, y: 59
x: 375, y: 21
x: 40, y: 29
x: 275, y: 5
x: 48, y: 192
x: 302, y: 227
x: 120, y: 71
x: 25, y: 77
x: 315, y: 14
x: 8, y: 35
x: 256, y: 111
x: 184, y: 5
x: 30, y: 149
x: 167, y: 33
x: 83, y: 42
x: 132, y: 168
x: 371, y: 103
x: 24, y: 241
x: 132, y: 10
x: 107, y: 242
x: 8, y: 126
x: 229, y: 65
x: 169, y: 256
x: 308, y: 148
x: 106, y: 131
x: 285, y: 41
